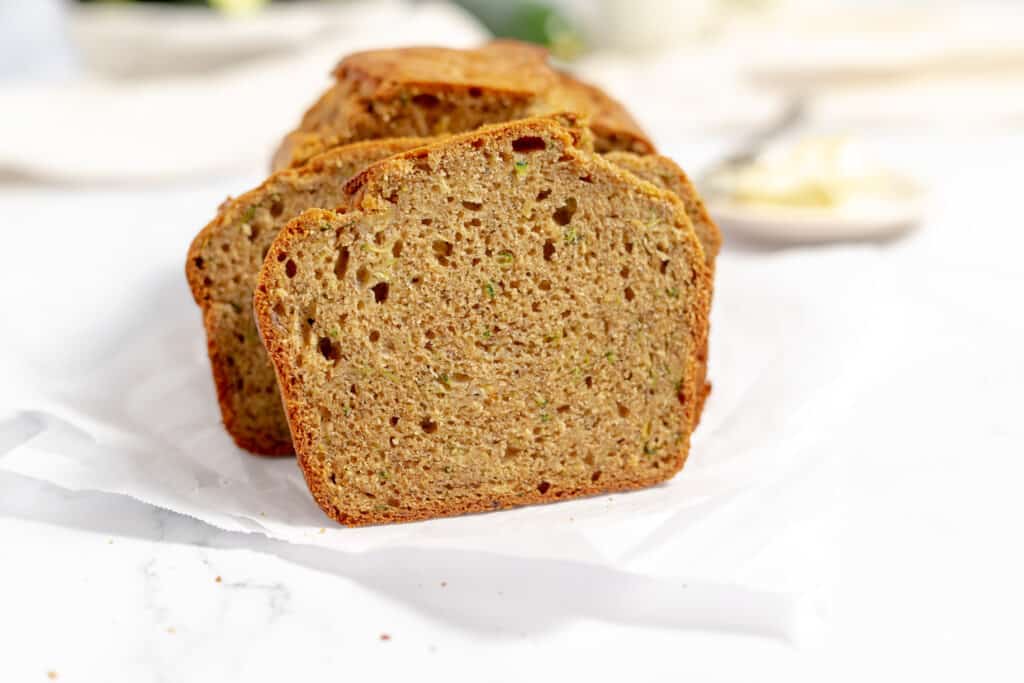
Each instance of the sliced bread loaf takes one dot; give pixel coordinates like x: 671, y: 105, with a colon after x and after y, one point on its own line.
x: 666, y: 174
x: 222, y: 266
x: 424, y: 91
x: 499, y: 318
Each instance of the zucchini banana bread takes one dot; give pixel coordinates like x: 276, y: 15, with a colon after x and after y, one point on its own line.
x: 666, y: 174
x: 425, y: 91
x: 222, y: 265
x: 499, y: 318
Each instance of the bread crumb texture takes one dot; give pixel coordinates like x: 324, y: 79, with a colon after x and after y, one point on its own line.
x: 499, y: 318
x: 222, y: 266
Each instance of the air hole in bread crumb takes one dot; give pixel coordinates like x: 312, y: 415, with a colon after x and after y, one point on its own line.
x: 380, y: 292
x: 623, y: 410
x: 277, y: 208
x: 629, y: 294
x: 549, y: 250
x: 589, y: 381
x: 512, y: 451
x: 475, y: 223
x: 543, y: 487
x: 327, y: 349
x: 586, y: 178
x: 362, y: 276
x: 290, y: 268
x: 475, y: 92
x: 535, y: 306
x: 624, y: 272
x: 664, y: 267
x: 562, y: 409
x: 374, y: 335
x: 393, y: 197
x: 461, y: 377
x: 564, y: 213
x: 472, y: 206
x: 394, y: 420
x: 426, y: 100
x: 595, y: 476
x: 279, y: 309
x: 341, y: 264
x: 529, y: 143
x: 428, y: 425
x: 629, y: 247
x: 427, y: 221
x: 442, y: 250
x: 281, y: 256
x: 543, y: 194
x: 545, y: 285
x: 198, y: 262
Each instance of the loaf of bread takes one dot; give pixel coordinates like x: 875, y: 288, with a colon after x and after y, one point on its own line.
x: 426, y: 91
x: 666, y: 174
x: 499, y: 318
x: 222, y: 266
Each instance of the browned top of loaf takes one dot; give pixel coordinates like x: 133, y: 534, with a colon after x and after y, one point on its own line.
x: 496, y: 319
x: 434, y: 91
x: 500, y: 66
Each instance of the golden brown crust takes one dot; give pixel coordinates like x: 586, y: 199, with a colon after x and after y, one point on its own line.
x: 314, y: 221
x: 614, y: 127
x: 252, y: 414
x: 435, y: 91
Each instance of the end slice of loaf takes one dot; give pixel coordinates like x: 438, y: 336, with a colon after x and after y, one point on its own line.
x: 666, y: 174
x: 222, y: 266
x: 497, y: 319
x: 427, y: 91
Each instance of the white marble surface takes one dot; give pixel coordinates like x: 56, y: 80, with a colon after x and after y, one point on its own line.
x: 98, y: 587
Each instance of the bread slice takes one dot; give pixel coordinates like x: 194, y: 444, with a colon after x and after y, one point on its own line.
x: 424, y: 91
x: 666, y: 174
x: 222, y: 266
x: 497, y: 319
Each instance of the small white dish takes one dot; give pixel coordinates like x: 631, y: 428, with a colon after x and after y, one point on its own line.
x: 783, y: 224
x: 819, y: 189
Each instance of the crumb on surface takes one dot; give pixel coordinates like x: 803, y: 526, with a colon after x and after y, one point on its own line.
x: 52, y: 675
x: 385, y: 636
x: 444, y: 584
x: 218, y: 579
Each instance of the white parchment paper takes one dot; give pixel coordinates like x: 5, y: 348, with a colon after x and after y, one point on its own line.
x: 118, y: 398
